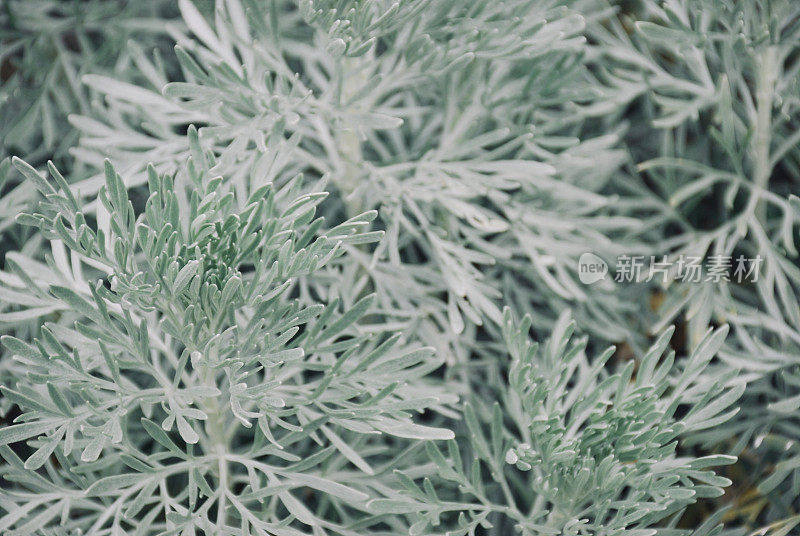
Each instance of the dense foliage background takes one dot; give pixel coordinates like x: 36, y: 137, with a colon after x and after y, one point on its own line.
x: 312, y: 267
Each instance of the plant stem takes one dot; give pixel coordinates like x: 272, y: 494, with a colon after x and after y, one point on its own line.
x: 215, y: 429
x: 761, y: 140
x: 348, y: 141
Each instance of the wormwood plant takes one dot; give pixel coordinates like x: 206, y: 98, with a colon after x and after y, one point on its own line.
x: 274, y: 287
x: 571, y: 450
x: 47, y: 46
x: 189, y: 390
x: 722, y: 81
x: 443, y: 116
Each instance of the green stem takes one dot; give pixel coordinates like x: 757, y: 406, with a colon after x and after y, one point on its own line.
x: 761, y: 140
x: 215, y: 430
x: 347, y: 139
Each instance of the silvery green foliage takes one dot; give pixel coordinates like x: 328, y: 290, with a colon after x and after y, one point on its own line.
x: 188, y: 349
x: 568, y: 449
x: 187, y: 390
x: 722, y: 85
x: 191, y: 391
x: 457, y: 121
x: 47, y: 46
